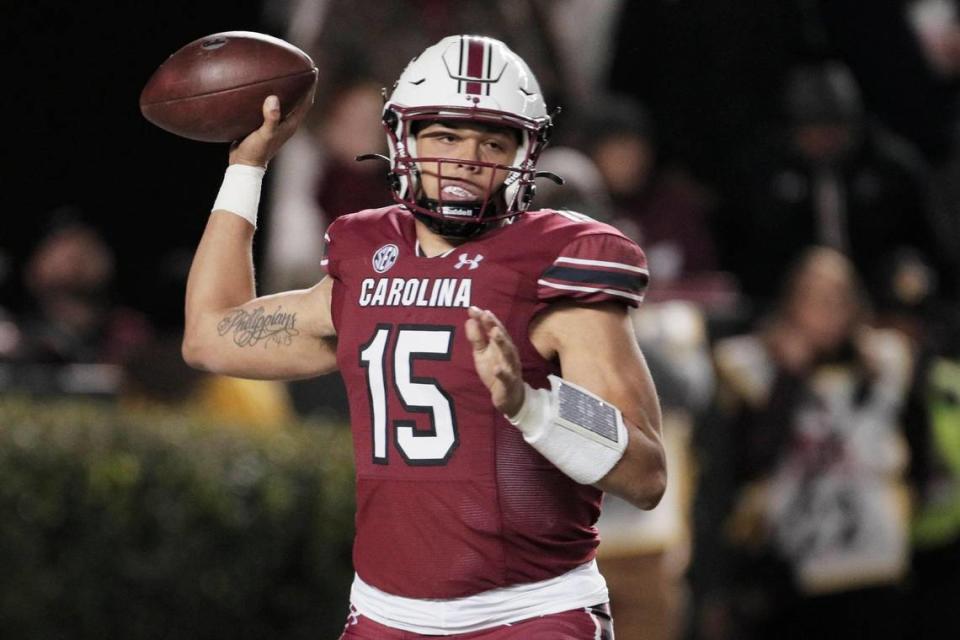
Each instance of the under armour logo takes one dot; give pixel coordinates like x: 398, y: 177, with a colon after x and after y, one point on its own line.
x: 464, y: 260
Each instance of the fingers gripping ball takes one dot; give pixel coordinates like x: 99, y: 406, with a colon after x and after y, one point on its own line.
x: 213, y: 89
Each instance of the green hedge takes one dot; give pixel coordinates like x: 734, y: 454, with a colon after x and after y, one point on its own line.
x: 149, y: 525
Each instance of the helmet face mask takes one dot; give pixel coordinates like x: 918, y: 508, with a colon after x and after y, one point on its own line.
x: 473, y: 81
x: 484, y: 206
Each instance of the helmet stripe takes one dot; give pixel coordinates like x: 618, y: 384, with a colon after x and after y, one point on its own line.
x: 475, y: 65
x: 489, y: 48
x: 460, y: 68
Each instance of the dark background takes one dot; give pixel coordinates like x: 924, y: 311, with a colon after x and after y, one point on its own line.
x: 75, y: 136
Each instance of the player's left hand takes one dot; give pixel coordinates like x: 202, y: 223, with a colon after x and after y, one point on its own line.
x: 496, y: 360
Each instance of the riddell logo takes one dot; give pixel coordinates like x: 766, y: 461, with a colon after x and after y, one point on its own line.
x: 458, y: 211
x: 465, y: 260
x: 385, y: 257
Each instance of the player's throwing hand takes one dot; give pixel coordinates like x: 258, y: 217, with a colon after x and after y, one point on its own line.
x: 496, y: 360
x: 258, y: 148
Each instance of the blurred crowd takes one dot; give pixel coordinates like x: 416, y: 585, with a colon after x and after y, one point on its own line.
x: 792, y: 171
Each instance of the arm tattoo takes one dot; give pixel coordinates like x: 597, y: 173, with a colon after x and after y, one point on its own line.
x: 250, y: 328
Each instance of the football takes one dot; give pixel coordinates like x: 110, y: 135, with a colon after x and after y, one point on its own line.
x: 213, y: 89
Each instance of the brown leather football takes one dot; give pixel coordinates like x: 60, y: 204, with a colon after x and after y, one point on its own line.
x: 213, y: 89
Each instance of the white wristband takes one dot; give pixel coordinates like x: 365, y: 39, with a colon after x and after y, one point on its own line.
x: 576, y: 430
x: 240, y: 191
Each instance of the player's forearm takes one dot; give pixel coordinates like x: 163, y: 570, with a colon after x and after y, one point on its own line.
x: 640, y: 477
x: 284, y: 336
x: 221, y: 276
x: 617, y: 372
x: 588, y: 437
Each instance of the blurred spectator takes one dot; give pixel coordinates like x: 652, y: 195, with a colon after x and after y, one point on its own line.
x: 9, y: 334
x: 938, y: 31
x: 830, y: 176
x: 73, y: 318
x: 583, y: 189
x: 348, y: 125
x: 706, y: 70
x: 937, y: 23
x: 801, y: 516
x: 583, y: 30
x: 294, y: 222
x: 655, y: 203
x: 320, y: 179
x: 932, y: 424
x: 907, y: 92
x: 9, y: 337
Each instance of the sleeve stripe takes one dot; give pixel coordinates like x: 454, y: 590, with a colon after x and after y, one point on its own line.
x: 602, y: 263
x: 589, y: 276
x: 612, y: 292
x: 324, y: 262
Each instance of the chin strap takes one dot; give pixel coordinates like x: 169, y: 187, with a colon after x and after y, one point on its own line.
x: 454, y: 228
x: 372, y: 156
x: 549, y: 175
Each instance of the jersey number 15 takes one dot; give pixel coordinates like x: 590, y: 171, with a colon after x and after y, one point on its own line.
x: 417, y: 394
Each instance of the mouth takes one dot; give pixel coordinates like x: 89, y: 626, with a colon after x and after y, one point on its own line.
x: 459, y: 191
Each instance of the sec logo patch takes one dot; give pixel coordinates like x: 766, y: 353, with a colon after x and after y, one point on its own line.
x: 385, y: 257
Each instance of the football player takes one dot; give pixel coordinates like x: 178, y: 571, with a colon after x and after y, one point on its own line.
x: 495, y: 386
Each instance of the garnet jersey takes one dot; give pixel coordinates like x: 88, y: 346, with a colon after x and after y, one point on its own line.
x: 450, y: 500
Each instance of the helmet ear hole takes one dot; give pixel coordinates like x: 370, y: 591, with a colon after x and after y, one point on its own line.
x: 390, y: 118
x: 544, y: 135
x: 527, y: 196
x: 394, y: 181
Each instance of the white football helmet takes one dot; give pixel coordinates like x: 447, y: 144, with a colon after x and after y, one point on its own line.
x: 472, y: 78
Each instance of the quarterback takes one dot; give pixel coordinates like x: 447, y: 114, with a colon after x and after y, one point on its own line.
x: 495, y: 386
